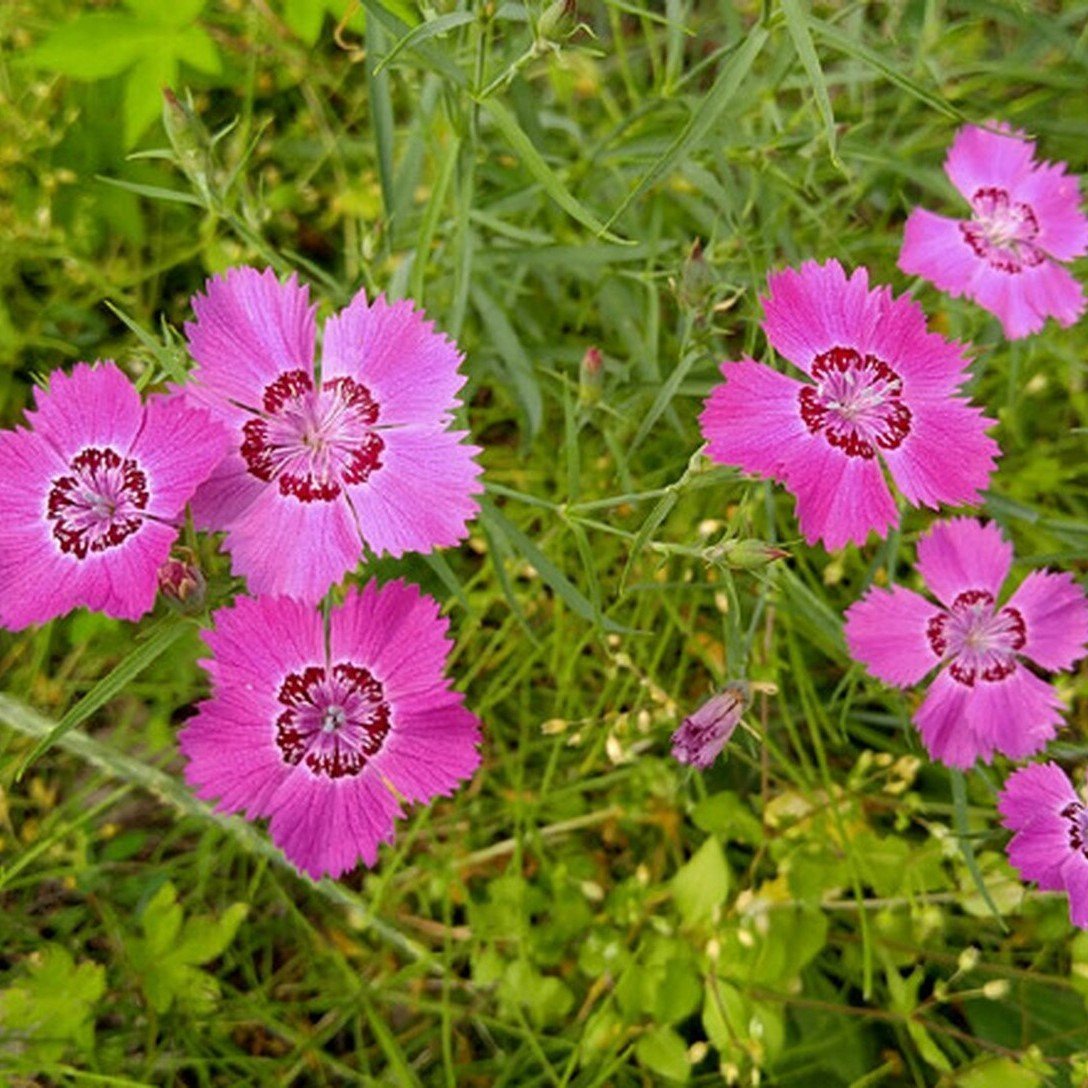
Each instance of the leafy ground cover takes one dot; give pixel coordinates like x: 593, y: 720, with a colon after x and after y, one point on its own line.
x: 825, y: 906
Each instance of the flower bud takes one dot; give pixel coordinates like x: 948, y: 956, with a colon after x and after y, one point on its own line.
x: 557, y: 21
x: 745, y: 554
x: 190, y: 141
x: 703, y: 735
x: 181, y: 582
x: 590, y: 377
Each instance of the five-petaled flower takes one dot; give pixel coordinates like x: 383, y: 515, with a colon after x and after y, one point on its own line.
x: 327, y: 736
x: 1025, y: 220
x: 1050, y: 846
x: 360, y: 449
x: 880, y: 387
x: 92, y: 493
x: 986, y: 697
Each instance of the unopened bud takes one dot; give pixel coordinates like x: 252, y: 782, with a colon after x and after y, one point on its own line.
x: 190, y: 141
x: 181, y: 582
x: 696, y: 278
x: 703, y: 735
x: 590, y: 377
x: 996, y: 989
x: 557, y: 21
x: 746, y: 554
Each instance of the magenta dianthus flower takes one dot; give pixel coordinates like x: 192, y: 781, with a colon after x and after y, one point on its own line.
x: 326, y: 738
x: 92, y: 493
x: 1025, y: 220
x: 985, y: 697
x: 1050, y: 846
x: 880, y: 388
x: 361, y: 449
x: 701, y: 736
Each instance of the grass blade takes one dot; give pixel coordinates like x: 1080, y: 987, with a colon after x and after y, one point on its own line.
x: 852, y: 48
x: 552, y: 576
x: 702, y: 121
x: 172, y: 792
x: 159, y: 639
x: 806, y: 52
x: 532, y: 160
x: 963, y: 835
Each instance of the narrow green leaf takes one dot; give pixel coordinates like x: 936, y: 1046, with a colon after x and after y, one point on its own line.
x: 519, y: 367
x: 434, y: 28
x: 663, y: 399
x: 159, y: 639
x: 702, y: 121
x: 854, y: 48
x: 531, y: 159
x: 152, y: 192
x: 169, y: 789
x: 552, y: 576
x: 806, y: 52
x: 381, y: 112
x: 963, y: 833
x: 428, y: 223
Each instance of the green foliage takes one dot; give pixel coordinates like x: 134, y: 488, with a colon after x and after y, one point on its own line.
x: 147, y: 44
x: 50, y: 1009
x: 821, y: 908
x: 167, y: 955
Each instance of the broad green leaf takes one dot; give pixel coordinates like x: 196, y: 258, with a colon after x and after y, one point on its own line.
x: 94, y: 45
x: 195, y: 46
x: 702, y: 883
x: 143, y: 92
x: 663, y: 1052
x: 729, y: 817
x: 167, y: 13
x: 168, y: 957
x: 731, y: 1020
x: 929, y: 1050
x: 305, y: 18
x: 999, y: 1073
x: 52, y: 1007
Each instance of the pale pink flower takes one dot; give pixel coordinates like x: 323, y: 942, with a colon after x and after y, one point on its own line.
x: 878, y: 387
x: 986, y: 697
x: 1050, y: 846
x: 92, y: 494
x: 327, y: 737
x: 359, y: 450
x: 1025, y: 221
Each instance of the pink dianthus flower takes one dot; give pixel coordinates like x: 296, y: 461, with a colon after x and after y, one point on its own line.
x: 92, y: 491
x: 361, y: 449
x: 1050, y: 846
x: 701, y: 736
x: 879, y: 387
x: 985, y: 698
x: 1025, y: 220
x: 327, y: 737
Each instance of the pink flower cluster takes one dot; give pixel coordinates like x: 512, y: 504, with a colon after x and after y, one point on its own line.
x: 304, y: 466
x: 878, y: 395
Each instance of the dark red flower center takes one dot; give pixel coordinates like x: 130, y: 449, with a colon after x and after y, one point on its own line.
x: 979, y: 640
x: 855, y: 403
x: 313, y: 441
x: 1077, y: 815
x: 96, y: 506
x: 1002, y: 231
x: 336, y: 719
